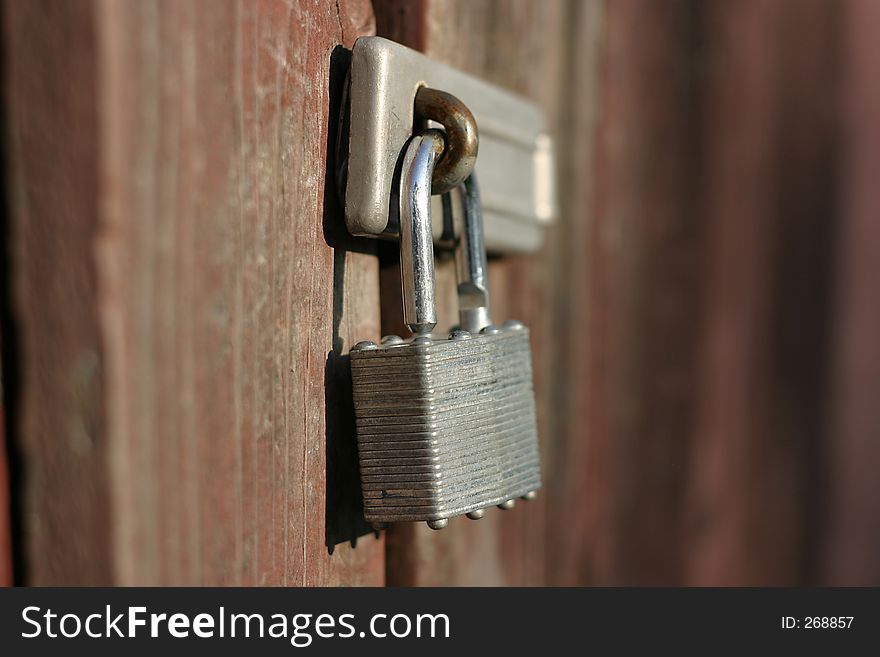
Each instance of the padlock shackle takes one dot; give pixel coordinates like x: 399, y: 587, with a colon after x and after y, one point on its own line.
x: 416, y: 239
x: 470, y: 260
x: 462, y: 137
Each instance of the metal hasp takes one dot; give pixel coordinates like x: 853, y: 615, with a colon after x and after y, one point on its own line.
x: 515, y: 166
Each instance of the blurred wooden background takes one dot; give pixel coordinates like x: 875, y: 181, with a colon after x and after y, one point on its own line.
x: 179, y: 297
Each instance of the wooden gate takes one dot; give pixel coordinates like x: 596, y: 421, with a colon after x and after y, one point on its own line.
x: 180, y: 293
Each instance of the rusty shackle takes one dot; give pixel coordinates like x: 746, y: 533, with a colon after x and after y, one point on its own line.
x: 462, y: 140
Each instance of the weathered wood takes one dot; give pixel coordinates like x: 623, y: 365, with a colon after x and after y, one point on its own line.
x: 699, y: 283
x: 852, y: 512
x: 768, y: 189
x: 54, y: 181
x: 181, y: 311
x: 515, y: 45
x: 703, y: 313
x: 625, y: 320
x: 682, y: 307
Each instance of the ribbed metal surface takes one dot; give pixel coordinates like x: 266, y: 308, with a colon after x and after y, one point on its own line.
x: 445, y: 427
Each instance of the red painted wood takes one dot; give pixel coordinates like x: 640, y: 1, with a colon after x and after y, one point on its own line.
x: 703, y: 313
x: 182, y: 311
x: 701, y: 310
x: 53, y: 182
x: 754, y: 477
x: 852, y: 511
x: 513, y: 45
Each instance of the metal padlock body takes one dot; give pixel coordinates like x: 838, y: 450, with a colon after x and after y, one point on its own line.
x: 445, y: 427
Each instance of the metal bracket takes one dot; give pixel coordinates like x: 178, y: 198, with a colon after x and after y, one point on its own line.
x: 515, y: 162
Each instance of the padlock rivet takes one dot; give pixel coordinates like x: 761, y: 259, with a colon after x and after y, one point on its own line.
x: 459, y: 334
x: 507, y: 504
x: 422, y: 339
x: 532, y: 494
x: 490, y: 330
x: 513, y: 325
x: 365, y: 345
x: 440, y: 523
x: 476, y: 515
x: 392, y: 340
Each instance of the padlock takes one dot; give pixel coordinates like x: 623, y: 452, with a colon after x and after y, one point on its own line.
x: 445, y: 427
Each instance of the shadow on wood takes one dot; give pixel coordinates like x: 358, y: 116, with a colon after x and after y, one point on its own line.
x: 344, y: 500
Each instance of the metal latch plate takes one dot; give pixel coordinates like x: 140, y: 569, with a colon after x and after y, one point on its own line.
x: 514, y: 166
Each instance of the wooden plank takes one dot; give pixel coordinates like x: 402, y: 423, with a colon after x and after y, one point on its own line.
x: 184, y: 295
x: 702, y: 283
x: 852, y: 515
x: 755, y: 471
x: 202, y: 309
x: 682, y: 306
x: 508, y: 43
x: 629, y: 241
x: 53, y: 179
x: 698, y: 272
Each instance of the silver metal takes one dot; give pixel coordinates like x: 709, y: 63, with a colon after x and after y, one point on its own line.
x: 515, y: 163
x: 470, y: 261
x: 444, y: 427
x: 531, y: 495
x: 507, y: 505
x: 416, y: 242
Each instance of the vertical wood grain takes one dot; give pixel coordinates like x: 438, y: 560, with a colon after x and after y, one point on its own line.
x: 770, y: 186
x: 700, y: 311
x: 515, y: 45
x: 178, y: 339
x: 701, y: 282
x: 852, y: 514
x: 703, y: 312
x: 53, y: 177
x: 630, y: 317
